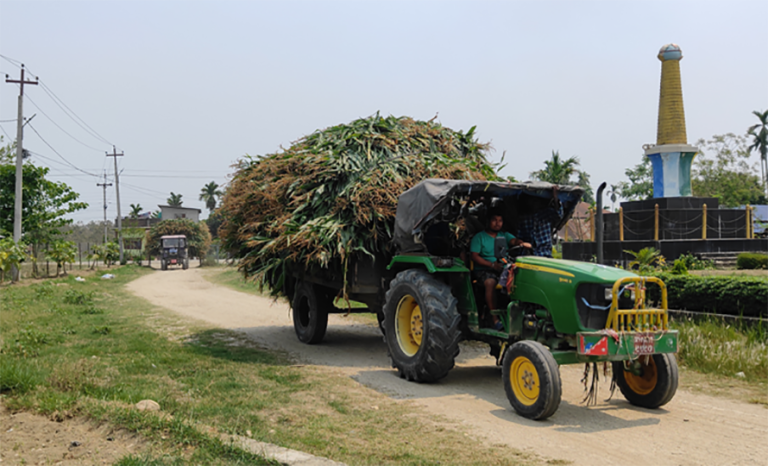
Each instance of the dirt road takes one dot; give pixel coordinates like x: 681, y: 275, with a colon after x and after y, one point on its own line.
x: 692, y: 429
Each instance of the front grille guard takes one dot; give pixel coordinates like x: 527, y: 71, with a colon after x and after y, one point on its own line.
x: 638, y: 319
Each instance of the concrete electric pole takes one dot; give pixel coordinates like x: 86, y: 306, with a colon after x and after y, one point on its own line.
x: 104, y: 185
x: 117, y: 191
x: 19, y: 165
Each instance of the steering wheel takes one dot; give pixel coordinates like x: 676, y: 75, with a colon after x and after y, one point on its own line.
x: 519, y: 250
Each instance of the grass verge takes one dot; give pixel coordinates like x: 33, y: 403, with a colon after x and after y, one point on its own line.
x: 91, y: 349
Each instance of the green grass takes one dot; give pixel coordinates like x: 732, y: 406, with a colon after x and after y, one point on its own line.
x: 61, y: 359
x: 713, y: 347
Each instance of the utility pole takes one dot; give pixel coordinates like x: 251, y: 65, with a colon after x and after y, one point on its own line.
x: 19, y: 165
x: 104, y: 185
x: 117, y: 191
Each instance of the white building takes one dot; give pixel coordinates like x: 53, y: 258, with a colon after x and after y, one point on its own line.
x: 169, y: 213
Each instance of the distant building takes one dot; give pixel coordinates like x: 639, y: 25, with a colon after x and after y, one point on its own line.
x: 170, y: 213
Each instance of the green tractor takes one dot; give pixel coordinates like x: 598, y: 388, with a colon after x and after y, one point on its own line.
x: 555, y: 312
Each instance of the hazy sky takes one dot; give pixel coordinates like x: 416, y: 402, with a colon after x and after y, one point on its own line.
x: 186, y: 88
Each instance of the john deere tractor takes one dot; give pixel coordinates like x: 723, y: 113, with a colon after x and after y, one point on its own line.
x: 552, y: 311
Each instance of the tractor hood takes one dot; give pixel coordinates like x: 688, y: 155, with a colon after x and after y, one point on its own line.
x: 419, y: 206
x: 595, y: 272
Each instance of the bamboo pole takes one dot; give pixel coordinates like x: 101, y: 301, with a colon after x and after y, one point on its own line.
x: 704, y: 222
x: 591, y: 225
x: 749, y: 221
x: 656, y: 223
x: 621, y: 223
x: 566, y: 232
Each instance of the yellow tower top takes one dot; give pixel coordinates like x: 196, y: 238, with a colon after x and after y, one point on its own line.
x: 671, y: 127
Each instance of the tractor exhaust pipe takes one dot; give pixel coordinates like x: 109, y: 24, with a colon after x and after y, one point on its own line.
x: 599, y: 223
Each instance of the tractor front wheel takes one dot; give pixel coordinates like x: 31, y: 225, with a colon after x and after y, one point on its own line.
x: 421, y: 326
x: 310, y: 313
x: 532, y: 380
x: 650, y: 382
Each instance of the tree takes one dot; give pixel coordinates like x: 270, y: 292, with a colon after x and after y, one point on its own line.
x: 209, y: 193
x: 759, y: 133
x: 557, y: 170
x: 175, y: 200
x: 640, y: 185
x: 584, y: 183
x: 560, y: 171
x: 11, y: 255
x: 135, y: 210
x: 726, y: 173
x: 62, y: 252
x: 613, y: 194
x: 44, y: 204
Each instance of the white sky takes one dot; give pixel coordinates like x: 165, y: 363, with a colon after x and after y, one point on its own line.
x: 186, y: 88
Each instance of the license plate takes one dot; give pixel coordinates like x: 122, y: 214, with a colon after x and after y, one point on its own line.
x: 173, y: 261
x: 644, y: 343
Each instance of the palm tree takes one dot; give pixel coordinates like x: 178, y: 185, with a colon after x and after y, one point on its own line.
x: 557, y: 170
x: 613, y: 193
x: 209, y: 193
x: 760, y: 143
x: 135, y: 210
x: 646, y: 259
x: 175, y: 200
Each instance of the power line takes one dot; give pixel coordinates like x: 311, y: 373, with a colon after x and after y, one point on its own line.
x: 58, y: 126
x: 13, y: 62
x: 60, y: 156
x: 64, y: 106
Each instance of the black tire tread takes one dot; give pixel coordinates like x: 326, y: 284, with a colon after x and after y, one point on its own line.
x: 437, y: 354
x: 551, y: 389
x: 666, y: 387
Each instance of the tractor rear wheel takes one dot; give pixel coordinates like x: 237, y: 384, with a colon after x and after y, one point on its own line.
x: 185, y: 264
x: 163, y: 265
x: 531, y: 380
x: 650, y: 383
x: 310, y: 313
x: 421, y: 326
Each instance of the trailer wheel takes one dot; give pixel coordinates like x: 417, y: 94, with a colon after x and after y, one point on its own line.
x: 310, y: 314
x: 163, y: 265
x: 421, y: 326
x: 652, y: 384
x: 531, y: 380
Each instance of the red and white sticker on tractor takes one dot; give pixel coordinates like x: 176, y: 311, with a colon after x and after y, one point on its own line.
x: 594, y: 349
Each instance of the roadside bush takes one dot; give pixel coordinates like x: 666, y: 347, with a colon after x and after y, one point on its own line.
x: 78, y: 297
x: 751, y: 261
x: 747, y: 296
x: 694, y: 263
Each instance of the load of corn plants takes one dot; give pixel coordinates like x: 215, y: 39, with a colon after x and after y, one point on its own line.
x: 198, y: 236
x: 332, y: 195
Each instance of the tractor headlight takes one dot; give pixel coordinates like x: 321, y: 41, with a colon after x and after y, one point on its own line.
x: 609, y: 294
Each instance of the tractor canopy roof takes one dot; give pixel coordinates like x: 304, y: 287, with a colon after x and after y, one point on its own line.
x: 446, y: 201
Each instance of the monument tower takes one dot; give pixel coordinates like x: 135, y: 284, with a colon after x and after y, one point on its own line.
x: 671, y: 157
x: 674, y: 221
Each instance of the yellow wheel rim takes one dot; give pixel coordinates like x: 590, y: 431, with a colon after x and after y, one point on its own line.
x: 524, y: 379
x: 645, y: 383
x: 409, y: 326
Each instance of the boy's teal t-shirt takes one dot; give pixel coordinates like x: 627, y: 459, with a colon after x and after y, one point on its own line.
x: 482, y: 243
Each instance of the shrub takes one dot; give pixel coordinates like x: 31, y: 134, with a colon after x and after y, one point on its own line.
x: 17, y: 376
x: 679, y: 267
x: 78, y: 297
x: 747, y: 296
x: 694, y: 263
x: 751, y: 261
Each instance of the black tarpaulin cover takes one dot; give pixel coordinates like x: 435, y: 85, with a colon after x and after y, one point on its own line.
x: 421, y: 204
